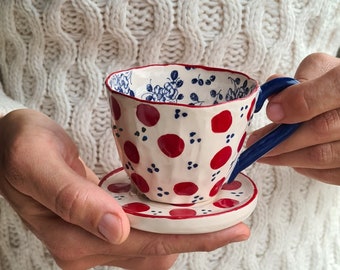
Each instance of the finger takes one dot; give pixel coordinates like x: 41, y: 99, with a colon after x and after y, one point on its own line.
x: 151, y: 244
x: 140, y: 263
x: 329, y: 176
x: 63, y: 239
x: 315, y: 65
x: 322, y: 129
x: 306, y: 100
x: 322, y: 156
x: 274, y: 76
x: 259, y: 133
x: 146, y: 263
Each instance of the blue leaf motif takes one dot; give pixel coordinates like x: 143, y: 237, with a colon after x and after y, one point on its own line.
x: 174, y: 75
x: 194, y: 97
x: 149, y: 87
x: 179, y: 83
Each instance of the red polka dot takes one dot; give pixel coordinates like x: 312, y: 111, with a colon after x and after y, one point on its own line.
x: 251, y: 109
x: 119, y: 187
x: 140, y: 182
x: 232, y: 186
x: 185, y: 188
x: 226, y: 203
x: 182, y: 213
x: 221, y: 158
x: 147, y: 114
x: 131, y: 152
x: 216, y: 187
x: 115, y: 108
x: 221, y: 122
x: 171, y: 145
x: 135, y: 207
x: 240, y: 144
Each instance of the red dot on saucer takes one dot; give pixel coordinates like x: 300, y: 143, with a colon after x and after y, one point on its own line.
x: 216, y: 187
x: 115, y: 108
x: 135, y: 207
x: 171, y: 145
x: 147, y: 114
x: 241, y: 142
x: 131, y: 152
x: 232, y: 186
x: 185, y: 188
x: 221, y: 158
x: 221, y: 122
x: 140, y: 182
x: 251, y: 109
x: 119, y: 187
x: 182, y: 213
x: 226, y: 203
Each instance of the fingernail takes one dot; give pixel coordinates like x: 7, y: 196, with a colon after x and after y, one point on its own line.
x: 275, y: 112
x: 110, y: 226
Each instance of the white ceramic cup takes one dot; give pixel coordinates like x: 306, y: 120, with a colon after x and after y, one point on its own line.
x: 179, y: 129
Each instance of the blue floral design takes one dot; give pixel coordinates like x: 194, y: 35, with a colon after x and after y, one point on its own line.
x: 121, y: 83
x: 170, y: 90
x: 239, y: 90
x: 166, y: 93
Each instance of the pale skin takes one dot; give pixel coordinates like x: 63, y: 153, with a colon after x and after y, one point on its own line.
x: 57, y: 197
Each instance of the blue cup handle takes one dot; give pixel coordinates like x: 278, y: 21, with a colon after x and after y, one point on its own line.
x: 273, y: 138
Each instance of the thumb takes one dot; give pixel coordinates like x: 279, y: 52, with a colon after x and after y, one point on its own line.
x: 79, y: 200
x: 39, y: 160
x: 68, y: 188
x: 85, y: 204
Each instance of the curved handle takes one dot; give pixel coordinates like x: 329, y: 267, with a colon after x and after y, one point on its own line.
x: 274, y: 137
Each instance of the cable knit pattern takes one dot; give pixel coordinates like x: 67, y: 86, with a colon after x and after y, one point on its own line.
x: 54, y: 56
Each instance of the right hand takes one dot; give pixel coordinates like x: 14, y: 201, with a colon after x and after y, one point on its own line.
x: 58, y: 198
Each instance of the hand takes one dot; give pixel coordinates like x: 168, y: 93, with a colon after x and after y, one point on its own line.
x: 314, y: 149
x: 58, y: 198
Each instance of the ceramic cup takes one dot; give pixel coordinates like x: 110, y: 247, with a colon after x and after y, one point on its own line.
x: 179, y: 129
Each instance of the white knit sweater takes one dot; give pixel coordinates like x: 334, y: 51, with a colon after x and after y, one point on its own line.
x: 54, y: 56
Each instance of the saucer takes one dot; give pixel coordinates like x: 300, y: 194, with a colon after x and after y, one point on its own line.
x: 234, y: 203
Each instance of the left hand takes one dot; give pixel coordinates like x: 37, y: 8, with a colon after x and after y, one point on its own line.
x: 314, y: 149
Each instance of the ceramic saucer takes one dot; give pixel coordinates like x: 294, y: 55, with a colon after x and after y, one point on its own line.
x: 234, y: 203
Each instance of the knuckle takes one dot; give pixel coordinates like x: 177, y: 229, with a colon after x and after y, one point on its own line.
x: 69, y: 202
x: 156, y: 248
x: 316, y: 58
x: 321, y: 154
x: 320, y: 62
x: 326, y: 123
x: 334, y: 78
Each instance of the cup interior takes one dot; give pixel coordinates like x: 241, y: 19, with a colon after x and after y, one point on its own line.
x: 181, y: 84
